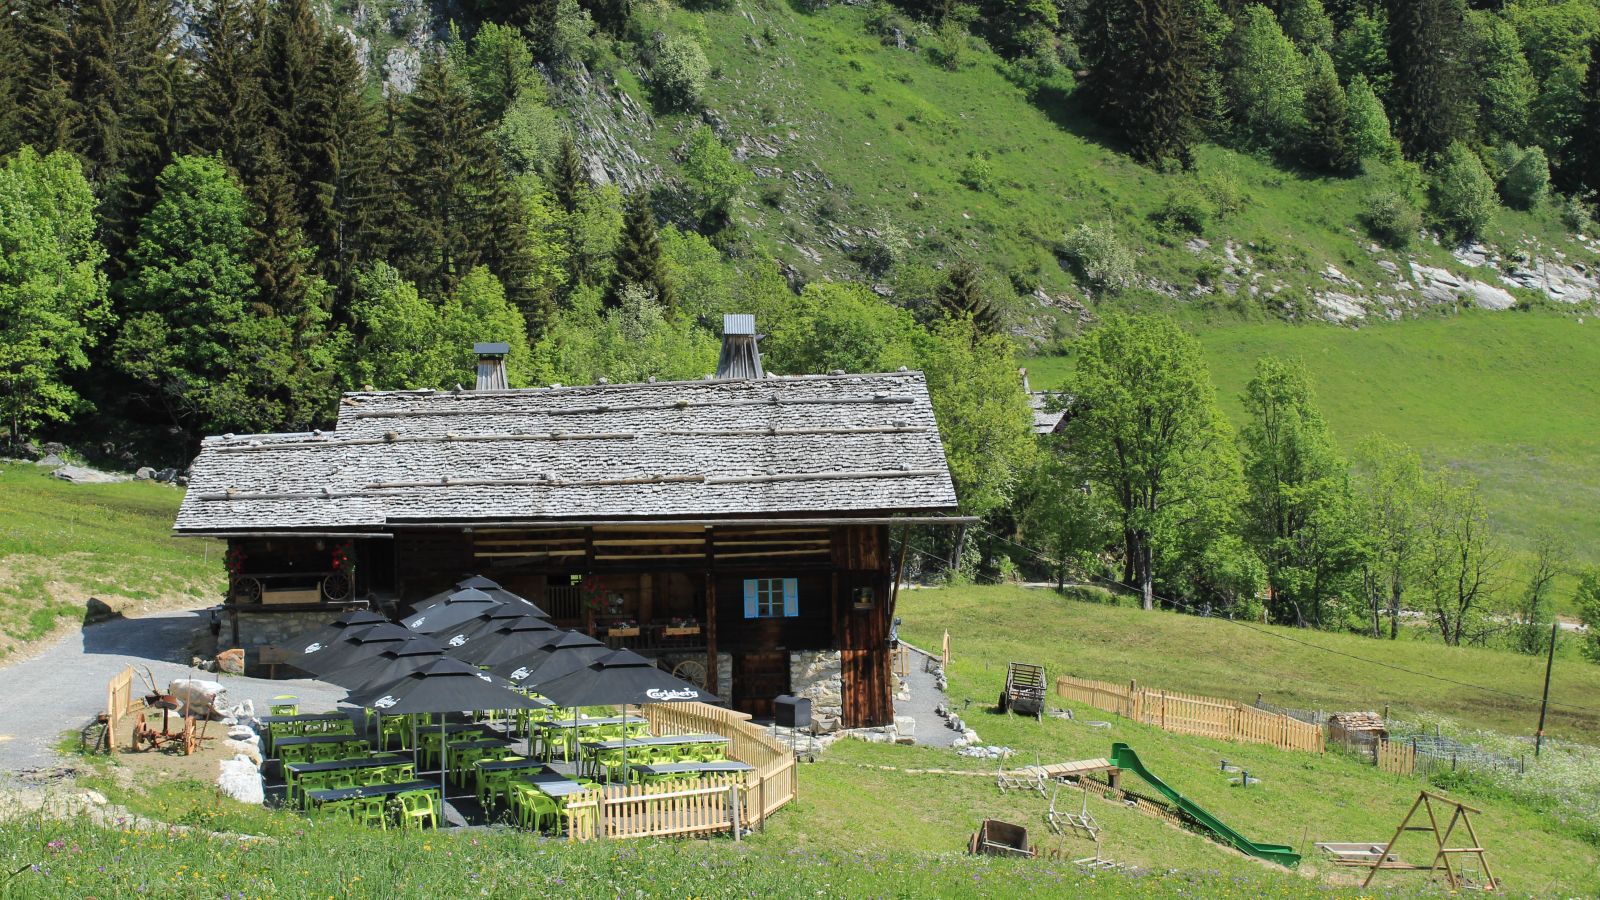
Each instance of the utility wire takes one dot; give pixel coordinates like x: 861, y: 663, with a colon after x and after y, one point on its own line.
x: 1291, y: 640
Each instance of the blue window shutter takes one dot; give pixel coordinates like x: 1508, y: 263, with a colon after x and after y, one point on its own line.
x: 791, y: 597
x: 750, y: 598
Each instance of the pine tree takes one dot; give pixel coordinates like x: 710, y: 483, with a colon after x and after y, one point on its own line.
x: 98, y: 82
x: 278, y: 250
x: 1430, y: 86
x: 458, y: 209
x: 1325, y: 144
x: 227, y: 99
x: 12, y: 66
x: 344, y: 185
x: 1148, y: 67
x: 1584, y: 146
x: 569, y: 179
x: 962, y: 297
x: 638, y: 255
x: 1509, y: 88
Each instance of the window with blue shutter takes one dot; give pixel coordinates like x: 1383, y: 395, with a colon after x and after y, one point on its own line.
x: 766, y: 598
x: 750, y: 599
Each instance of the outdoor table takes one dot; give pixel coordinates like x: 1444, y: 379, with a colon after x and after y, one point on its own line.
x: 292, y: 771
x: 553, y: 784
x: 556, y: 726
x: 299, y: 722
x: 462, y: 754
x: 592, y: 749
x: 706, y: 768
x: 319, y: 798
x: 609, y: 720
x: 497, y: 770
x: 314, y: 739
x: 371, y: 790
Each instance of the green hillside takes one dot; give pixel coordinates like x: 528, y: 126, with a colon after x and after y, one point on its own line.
x: 1512, y: 398
x: 62, y: 543
x: 986, y: 164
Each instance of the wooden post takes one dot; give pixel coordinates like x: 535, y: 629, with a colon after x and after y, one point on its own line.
x: 233, y: 616
x: 947, y: 652
x: 734, y: 811
x: 899, y: 573
x: 711, y: 630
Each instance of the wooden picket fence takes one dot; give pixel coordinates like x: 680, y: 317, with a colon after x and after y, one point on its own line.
x: 708, y: 805
x: 119, y: 699
x: 901, y: 659
x: 1397, y: 757
x: 1191, y: 714
x: 658, y: 810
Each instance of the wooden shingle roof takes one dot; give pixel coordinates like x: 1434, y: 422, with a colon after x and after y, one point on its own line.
x: 824, y: 444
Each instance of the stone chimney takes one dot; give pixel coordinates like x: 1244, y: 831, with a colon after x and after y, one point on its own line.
x: 741, y: 358
x: 492, y: 366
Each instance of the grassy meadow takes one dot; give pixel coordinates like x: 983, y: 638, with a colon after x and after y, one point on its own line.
x: 61, y: 544
x: 1511, y: 398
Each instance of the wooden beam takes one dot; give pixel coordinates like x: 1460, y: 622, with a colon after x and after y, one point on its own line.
x: 772, y: 553
x: 651, y: 543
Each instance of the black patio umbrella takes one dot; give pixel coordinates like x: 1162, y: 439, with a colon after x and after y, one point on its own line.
x: 445, y: 685
x: 493, y: 589
x: 331, y: 632
x: 488, y: 623
x: 511, y: 640
x: 459, y: 608
x: 620, y: 677
x: 568, y: 653
x: 396, y: 661
x: 355, y: 645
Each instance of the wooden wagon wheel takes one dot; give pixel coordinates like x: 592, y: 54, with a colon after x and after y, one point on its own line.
x: 246, y: 589
x: 337, y: 586
x: 692, y: 672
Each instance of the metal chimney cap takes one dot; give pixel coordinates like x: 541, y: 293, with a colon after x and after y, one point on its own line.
x: 739, y: 323
x: 491, y: 349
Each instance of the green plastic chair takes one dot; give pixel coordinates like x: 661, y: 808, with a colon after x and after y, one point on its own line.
x: 341, y: 726
x: 401, y: 773
x: 277, y: 730
x: 325, y: 753
x: 430, y: 747
x: 338, y: 809
x: 311, y: 781
x: 394, y: 727
x: 340, y: 781
x: 294, y: 753
x: 369, y: 810
x: 284, y: 709
x: 536, y: 808
x: 416, y: 806
x: 610, y: 760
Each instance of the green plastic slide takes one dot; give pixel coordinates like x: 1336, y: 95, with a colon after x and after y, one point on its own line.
x: 1128, y: 761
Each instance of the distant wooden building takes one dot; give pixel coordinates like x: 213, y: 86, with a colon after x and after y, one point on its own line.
x: 739, y: 525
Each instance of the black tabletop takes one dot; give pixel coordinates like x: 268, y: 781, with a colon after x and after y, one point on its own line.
x: 729, y: 765
x: 552, y: 783
x: 296, y: 740
x: 372, y: 790
x: 501, y: 765
x: 485, y: 744
x: 304, y: 717
x: 334, y: 765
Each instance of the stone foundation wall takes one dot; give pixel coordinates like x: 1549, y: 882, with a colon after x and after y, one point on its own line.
x: 261, y: 629
x: 819, y: 676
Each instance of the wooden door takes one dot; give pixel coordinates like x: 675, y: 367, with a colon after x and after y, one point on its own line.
x: 758, y: 679
x: 866, y: 688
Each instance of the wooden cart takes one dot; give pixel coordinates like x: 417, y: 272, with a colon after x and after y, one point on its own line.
x: 997, y: 838
x: 1025, y: 690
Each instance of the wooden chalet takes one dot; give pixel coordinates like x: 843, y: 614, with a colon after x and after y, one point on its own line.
x: 723, y: 525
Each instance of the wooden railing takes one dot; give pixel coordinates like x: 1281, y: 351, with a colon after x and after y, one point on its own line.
x: 709, y: 805
x: 902, y: 661
x: 1191, y: 714
x: 563, y: 603
x: 119, y: 699
x: 1396, y: 757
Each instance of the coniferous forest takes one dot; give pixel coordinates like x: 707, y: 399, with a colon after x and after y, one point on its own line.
x: 216, y: 217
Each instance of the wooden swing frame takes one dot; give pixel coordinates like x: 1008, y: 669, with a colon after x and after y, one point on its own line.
x: 1461, y: 813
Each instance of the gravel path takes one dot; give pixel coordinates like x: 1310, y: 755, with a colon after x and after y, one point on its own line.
x: 64, y: 687
x: 925, y: 695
